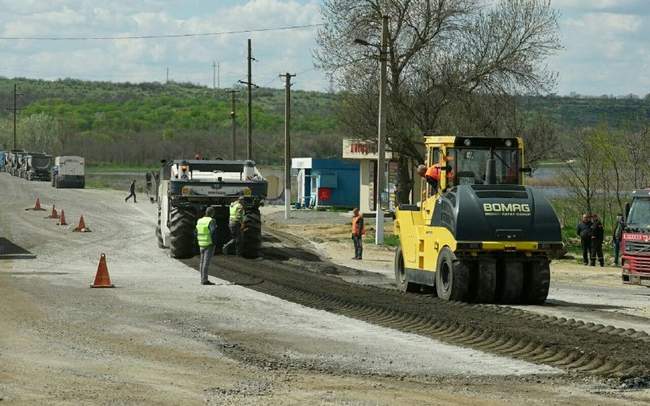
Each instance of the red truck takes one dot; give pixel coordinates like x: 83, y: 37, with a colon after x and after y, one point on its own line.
x: 635, y: 244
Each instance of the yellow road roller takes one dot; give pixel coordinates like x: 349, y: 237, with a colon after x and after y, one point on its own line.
x: 478, y: 234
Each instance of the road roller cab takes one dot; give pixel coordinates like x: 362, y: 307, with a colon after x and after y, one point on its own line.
x: 478, y: 234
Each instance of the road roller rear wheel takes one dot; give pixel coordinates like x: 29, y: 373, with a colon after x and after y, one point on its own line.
x: 510, y: 282
x: 484, y: 281
x: 536, y: 282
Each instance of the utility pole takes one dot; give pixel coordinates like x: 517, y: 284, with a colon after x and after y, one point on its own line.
x: 15, y: 110
x: 233, y: 117
x: 214, y: 75
x: 249, y: 135
x: 249, y: 84
x: 287, y: 143
x: 379, y: 227
x: 218, y: 75
x: 167, y: 80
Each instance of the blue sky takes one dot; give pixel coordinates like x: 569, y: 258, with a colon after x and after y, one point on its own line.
x: 606, y: 42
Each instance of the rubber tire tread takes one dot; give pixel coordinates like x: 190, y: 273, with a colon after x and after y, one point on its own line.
x: 486, y: 281
x: 159, y: 238
x: 182, y: 242
x: 403, y: 285
x: 537, y: 282
x: 459, y: 277
x: 511, y: 283
x: 251, y: 233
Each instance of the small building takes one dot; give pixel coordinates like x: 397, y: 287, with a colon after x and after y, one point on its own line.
x: 365, y: 153
x: 326, y: 182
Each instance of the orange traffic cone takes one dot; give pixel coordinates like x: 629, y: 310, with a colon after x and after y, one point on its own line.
x: 54, y: 214
x: 81, y: 228
x: 62, y: 219
x: 102, y: 279
x: 37, y: 206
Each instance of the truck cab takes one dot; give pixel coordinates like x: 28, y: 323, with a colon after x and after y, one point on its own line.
x: 635, y: 243
x: 38, y: 166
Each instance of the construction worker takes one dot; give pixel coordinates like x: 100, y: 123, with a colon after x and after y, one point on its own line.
x: 583, y: 230
x: 131, y: 193
x: 432, y: 175
x: 597, y: 237
x: 617, y: 237
x: 235, y: 223
x: 206, y: 229
x: 358, y: 231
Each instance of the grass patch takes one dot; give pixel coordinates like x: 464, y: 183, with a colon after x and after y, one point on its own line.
x: 390, y: 240
x: 120, y: 168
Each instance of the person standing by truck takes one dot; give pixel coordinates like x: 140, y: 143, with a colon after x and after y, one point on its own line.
x: 597, y: 237
x: 584, y: 232
x: 358, y: 231
x: 617, y: 237
x: 234, y: 224
x: 206, y: 234
x: 131, y: 193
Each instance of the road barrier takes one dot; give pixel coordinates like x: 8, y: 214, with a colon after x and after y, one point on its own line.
x: 81, y: 228
x: 62, y: 219
x: 54, y: 214
x: 37, y: 206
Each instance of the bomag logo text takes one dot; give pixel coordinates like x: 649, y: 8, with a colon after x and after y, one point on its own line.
x: 506, y: 209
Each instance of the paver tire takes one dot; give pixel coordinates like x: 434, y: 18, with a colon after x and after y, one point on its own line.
x: 182, y: 241
x: 251, y: 233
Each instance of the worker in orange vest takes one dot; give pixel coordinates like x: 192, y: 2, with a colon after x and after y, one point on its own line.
x: 432, y: 175
x: 358, y: 231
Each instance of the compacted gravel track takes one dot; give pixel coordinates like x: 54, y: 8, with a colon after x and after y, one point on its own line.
x: 568, y: 344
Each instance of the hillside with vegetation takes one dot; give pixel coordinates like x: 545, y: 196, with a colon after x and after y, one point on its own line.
x: 136, y: 124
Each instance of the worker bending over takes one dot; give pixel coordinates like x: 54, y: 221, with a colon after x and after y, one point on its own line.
x: 235, y: 224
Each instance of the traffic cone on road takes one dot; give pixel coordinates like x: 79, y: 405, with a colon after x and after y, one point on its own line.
x: 81, y: 228
x: 54, y: 214
x: 37, y: 206
x: 62, y: 219
x: 102, y: 279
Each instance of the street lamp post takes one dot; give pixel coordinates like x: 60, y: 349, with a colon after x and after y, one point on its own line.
x: 381, y: 131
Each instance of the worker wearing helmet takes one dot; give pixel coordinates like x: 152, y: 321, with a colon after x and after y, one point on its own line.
x: 206, y: 233
x: 235, y: 223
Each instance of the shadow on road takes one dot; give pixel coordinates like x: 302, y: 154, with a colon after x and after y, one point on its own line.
x: 9, y: 250
x: 588, y: 306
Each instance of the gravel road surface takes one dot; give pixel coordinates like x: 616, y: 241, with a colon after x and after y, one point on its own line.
x: 160, y: 337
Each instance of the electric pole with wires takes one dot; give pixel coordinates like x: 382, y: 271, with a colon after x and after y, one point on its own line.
x: 287, y: 143
x: 15, y: 110
x: 249, y: 84
x: 233, y: 118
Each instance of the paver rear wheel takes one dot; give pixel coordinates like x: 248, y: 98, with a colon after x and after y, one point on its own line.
x: 182, y: 242
x: 251, y: 233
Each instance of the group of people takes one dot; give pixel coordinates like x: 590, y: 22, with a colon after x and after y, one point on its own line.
x: 592, y: 234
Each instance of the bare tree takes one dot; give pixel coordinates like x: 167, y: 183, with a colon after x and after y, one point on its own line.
x: 443, y: 54
x: 581, y: 170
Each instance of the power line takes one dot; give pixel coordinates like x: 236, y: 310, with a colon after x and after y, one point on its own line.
x: 159, y: 36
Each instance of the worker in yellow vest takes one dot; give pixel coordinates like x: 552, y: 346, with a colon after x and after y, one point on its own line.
x: 235, y: 222
x: 206, y: 233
